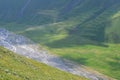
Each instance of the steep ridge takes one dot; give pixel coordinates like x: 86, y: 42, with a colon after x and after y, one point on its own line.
x: 25, y: 47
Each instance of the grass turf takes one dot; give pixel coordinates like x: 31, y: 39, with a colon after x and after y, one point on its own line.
x: 15, y: 67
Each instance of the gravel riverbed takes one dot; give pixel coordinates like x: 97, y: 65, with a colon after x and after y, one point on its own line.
x: 24, y: 46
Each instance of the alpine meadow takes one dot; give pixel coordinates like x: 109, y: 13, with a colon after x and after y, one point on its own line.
x: 86, y: 33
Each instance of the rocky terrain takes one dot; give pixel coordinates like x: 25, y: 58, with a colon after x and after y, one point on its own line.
x: 23, y: 46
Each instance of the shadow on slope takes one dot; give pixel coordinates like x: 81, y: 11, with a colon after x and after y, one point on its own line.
x: 83, y: 34
x: 92, y: 30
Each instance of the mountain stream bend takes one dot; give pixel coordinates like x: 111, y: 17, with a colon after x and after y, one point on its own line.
x: 23, y: 46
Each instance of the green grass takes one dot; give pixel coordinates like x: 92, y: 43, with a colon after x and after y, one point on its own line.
x: 73, y: 46
x: 15, y: 67
x: 43, y: 33
x: 79, y: 34
x: 113, y: 31
x: 103, y: 59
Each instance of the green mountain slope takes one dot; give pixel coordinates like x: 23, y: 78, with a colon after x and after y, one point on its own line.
x: 15, y: 67
x: 29, y: 11
x: 85, y: 21
x: 73, y: 29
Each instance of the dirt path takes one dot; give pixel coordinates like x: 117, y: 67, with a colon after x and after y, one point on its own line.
x: 25, y: 47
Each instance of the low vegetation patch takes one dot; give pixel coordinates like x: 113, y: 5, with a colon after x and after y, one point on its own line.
x: 15, y: 67
x: 103, y: 59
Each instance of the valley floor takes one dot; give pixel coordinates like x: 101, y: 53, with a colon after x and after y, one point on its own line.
x: 102, y: 59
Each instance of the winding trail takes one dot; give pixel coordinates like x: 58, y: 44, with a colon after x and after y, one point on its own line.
x: 23, y: 46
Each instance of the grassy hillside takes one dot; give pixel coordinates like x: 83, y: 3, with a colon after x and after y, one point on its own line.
x: 77, y: 30
x: 15, y: 67
x: 103, y: 59
x: 83, y: 21
x: 30, y: 11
